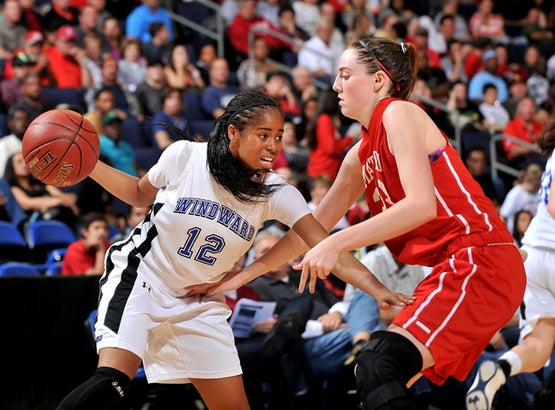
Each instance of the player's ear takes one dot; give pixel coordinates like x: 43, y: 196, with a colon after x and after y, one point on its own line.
x: 233, y: 133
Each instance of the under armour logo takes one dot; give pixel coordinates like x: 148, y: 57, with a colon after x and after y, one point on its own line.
x: 473, y: 400
x: 118, y: 388
x: 147, y: 287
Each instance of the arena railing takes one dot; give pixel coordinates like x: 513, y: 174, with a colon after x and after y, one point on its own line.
x: 280, y: 36
x: 498, y: 166
x: 216, y: 34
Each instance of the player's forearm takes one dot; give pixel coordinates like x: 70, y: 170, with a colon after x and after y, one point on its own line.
x: 351, y: 270
x: 124, y: 186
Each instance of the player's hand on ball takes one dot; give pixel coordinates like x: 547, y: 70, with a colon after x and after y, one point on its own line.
x: 60, y: 147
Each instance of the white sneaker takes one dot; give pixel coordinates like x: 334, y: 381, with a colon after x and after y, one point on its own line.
x: 489, y: 379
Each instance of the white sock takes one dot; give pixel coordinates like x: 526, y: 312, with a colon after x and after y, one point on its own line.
x: 514, y: 360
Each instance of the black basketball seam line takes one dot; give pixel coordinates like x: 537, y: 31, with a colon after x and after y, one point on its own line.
x: 56, y: 166
x: 72, y: 141
x: 76, y: 133
x: 68, y: 138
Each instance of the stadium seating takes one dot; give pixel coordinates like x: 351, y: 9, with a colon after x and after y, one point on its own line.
x: 18, y: 269
x: 12, y: 243
x: 70, y: 96
x: 44, y: 237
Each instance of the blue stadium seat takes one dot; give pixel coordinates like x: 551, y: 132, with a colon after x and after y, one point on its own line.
x: 46, y: 236
x: 53, y: 264
x: 54, y: 269
x: 200, y: 14
x: 4, y: 130
x: 147, y: 157
x: 10, y: 236
x: 134, y: 134
x: 70, y: 96
x: 18, y: 269
x: 201, y: 127
x: 12, y: 243
x: 193, y: 106
x: 53, y: 234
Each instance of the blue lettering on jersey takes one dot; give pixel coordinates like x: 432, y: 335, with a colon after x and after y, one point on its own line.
x: 183, y: 205
x: 213, y: 210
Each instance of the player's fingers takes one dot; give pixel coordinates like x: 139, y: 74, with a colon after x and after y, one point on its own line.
x: 313, y: 279
x: 302, y: 282
x: 323, y: 273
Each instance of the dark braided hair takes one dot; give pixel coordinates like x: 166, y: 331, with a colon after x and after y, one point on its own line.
x: 546, y: 140
x: 231, y: 173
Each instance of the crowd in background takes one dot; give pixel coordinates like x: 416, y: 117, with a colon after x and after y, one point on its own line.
x: 141, y: 79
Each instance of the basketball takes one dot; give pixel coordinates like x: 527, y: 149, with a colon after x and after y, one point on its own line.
x: 60, y: 147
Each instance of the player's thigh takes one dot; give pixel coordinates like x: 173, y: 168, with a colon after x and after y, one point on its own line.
x: 120, y: 359
x: 542, y: 335
x: 227, y: 393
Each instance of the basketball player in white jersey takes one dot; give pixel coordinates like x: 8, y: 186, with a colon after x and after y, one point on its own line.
x: 538, y: 312
x: 208, y: 201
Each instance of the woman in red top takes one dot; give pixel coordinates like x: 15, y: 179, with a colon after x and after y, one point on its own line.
x: 429, y: 211
x: 327, y: 147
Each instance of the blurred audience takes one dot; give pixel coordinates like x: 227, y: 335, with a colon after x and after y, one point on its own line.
x: 327, y: 145
x: 181, y: 73
x: 86, y: 255
x: 170, y: 121
x: 18, y: 121
x: 12, y: 32
x: 39, y: 201
x: 216, y: 95
x: 149, y: 93
x: 67, y: 61
x: 139, y: 20
x: 132, y: 65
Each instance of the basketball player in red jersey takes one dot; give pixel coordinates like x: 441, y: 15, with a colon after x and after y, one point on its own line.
x: 429, y: 211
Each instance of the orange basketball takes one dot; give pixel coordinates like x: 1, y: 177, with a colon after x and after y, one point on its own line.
x: 61, y: 147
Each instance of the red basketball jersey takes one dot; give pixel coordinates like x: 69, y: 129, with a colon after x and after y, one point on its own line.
x: 462, y: 208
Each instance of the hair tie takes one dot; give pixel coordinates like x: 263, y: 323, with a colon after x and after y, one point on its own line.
x: 403, y: 47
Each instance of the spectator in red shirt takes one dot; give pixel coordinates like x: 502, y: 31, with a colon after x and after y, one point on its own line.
x: 60, y: 14
x: 32, y: 47
x: 67, y: 61
x: 86, y: 256
x: 278, y: 86
x: 245, y: 20
x: 421, y: 41
x: 473, y: 62
x: 326, y: 144
x: 524, y: 127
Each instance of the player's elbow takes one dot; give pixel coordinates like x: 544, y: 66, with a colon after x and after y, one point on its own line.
x: 425, y: 210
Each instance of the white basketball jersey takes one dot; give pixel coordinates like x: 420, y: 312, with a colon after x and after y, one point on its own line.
x: 541, y: 232
x: 197, y: 230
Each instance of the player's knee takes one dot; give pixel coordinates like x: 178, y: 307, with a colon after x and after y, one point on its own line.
x: 105, y: 387
x: 383, y: 368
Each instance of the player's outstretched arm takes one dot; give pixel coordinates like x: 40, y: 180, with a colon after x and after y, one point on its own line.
x: 130, y: 189
x: 347, y: 268
x: 310, y: 230
x: 288, y: 247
